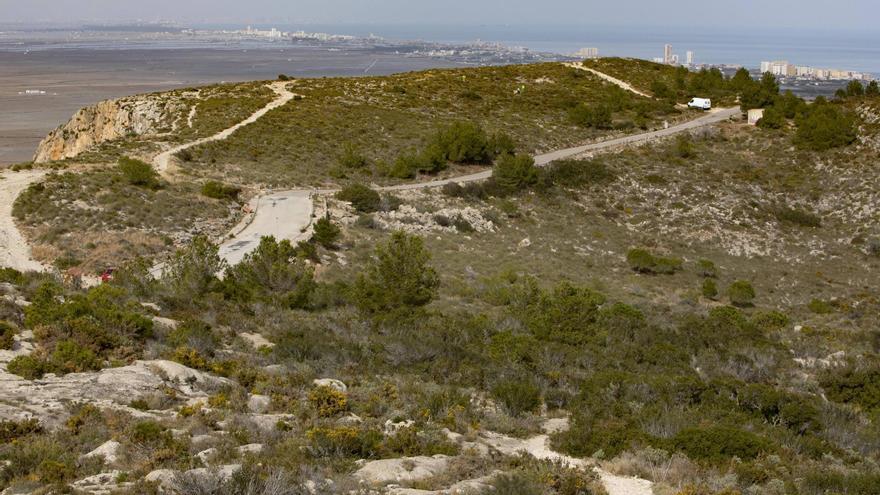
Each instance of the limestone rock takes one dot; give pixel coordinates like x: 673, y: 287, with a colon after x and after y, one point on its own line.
x: 103, y: 122
x: 109, y: 450
x: 259, y: 404
x: 100, y: 484
x: 330, y: 382
x: 113, y: 388
x: 252, y: 448
x: 407, y: 469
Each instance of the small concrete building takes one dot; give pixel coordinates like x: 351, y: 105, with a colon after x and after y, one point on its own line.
x: 755, y: 115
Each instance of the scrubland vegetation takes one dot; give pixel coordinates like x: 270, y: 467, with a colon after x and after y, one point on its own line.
x: 703, y: 309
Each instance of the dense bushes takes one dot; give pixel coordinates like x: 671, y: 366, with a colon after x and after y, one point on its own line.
x: 643, y: 261
x: 138, y: 173
x: 718, y: 444
x: 859, y: 386
x: 823, y: 127
x: 218, y: 190
x: 594, y: 116
x: 80, y: 332
x: 518, y: 396
x: 361, y: 197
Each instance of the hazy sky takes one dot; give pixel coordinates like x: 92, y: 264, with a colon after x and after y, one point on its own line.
x: 812, y: 14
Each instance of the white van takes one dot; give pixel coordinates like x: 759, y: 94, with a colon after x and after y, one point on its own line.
x: 700, y: 103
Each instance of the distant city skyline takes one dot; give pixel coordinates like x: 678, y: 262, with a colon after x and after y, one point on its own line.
x: 800, y: 14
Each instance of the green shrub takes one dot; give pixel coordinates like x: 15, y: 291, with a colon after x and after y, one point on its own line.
x: 11, y: 276
x: 710, y: 289
x: 399, y: 276
x: 825, y: 127
x: 362, y: 198
x: 718, y: 444
x: 148, y: 432
x: 328, y: 401
x: 352, y: 159
x: 71, y: 357
x: 218, y: 190
x: 851, y: 385
x: 326, y: 233
x: 576, y: 173
x: 741, y: 293
x: 138, y: 173
x: 820, y: 307
x: 594, y: 116
x: 516, y: 484
x: 684, y: 147
x: 514, y: 173
x: 28, y: 367
x: 195, y: 334
x: 344, y: 441
x: 463, y: 142
x: 13, y: 430
x: 7, y: 336
x: 275, y: 273
x: 518, y: 396
x: 707, y: 269
x: 193, y: 271
x: 797, y: 217
x: 773, y: 118
x: 643, y: 261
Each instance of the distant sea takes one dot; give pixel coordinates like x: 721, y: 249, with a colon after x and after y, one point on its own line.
x: 845, y: 50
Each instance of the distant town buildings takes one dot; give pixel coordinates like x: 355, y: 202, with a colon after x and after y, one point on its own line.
x: 587, y: 53
x: 671, y: 58
x: 781, y: 68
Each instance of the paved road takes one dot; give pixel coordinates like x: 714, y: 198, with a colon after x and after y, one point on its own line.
x: 285, y: 215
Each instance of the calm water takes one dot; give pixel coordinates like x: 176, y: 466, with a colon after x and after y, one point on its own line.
x: 850, y: 50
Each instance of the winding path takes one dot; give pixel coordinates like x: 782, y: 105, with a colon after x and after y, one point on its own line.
x: 612, y: 80
x: 162, y: 161
x: 539, y: 448
x: 15, y: 252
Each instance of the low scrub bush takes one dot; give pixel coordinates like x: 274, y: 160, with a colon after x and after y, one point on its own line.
x: 643, y: 261
x: 514, y: 173
x: 344, y: 441
x: 718, y: 444
x: 7, y: 336
x: 362, y: 198
x: 138, y: 173
x: 518, y: 396
x: 326, y: 233
x: 328, y: 401
x: 798, y: 217
x: 594, y: 116
x: 218, y: 190
x: 741, y: 293
x: 352, y: 159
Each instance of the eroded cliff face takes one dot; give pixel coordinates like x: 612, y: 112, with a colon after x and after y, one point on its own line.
x: 107, y: 121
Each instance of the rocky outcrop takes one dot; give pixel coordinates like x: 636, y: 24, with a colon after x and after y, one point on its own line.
x: 107, y: 121
x: 47, y: 399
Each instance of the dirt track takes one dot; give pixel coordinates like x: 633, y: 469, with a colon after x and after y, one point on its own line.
x: 14, y: 250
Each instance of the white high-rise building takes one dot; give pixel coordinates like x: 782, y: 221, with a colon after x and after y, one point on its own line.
x: 667, y: 55
x: 690, y: 57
